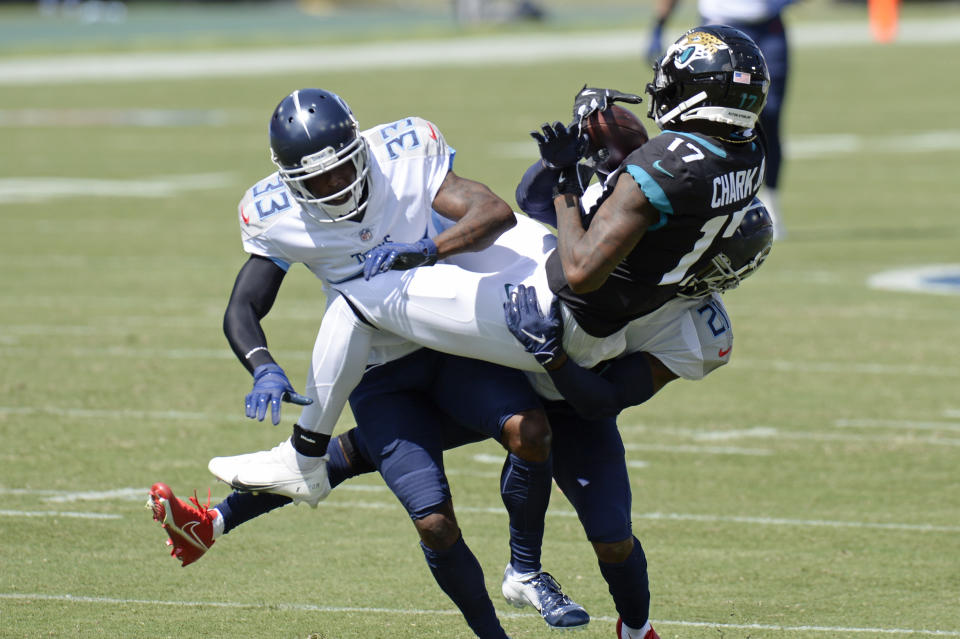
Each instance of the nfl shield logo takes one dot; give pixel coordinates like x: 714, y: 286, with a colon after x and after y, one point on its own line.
x: 366, y: 234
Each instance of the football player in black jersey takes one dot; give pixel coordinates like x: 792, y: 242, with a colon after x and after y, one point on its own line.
x: 672, y: 198
x: 676, y: 216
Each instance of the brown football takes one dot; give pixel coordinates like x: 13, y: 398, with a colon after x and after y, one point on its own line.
x: 618, y: 131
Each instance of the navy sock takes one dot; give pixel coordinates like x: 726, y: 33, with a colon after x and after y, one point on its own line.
x: 458, y: 574
x: 629, y: 586
x: 525, y: 489
x: 240, y: 507
x: 346, y: 457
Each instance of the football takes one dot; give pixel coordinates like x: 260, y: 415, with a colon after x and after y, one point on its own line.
x: 612, y: 135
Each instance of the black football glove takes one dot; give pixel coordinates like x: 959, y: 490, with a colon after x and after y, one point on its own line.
x: 560, y: 147
x: 592, y: 99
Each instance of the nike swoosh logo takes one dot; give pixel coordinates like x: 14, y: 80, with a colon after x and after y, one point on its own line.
x: 724, y: 353
x: 657, y: 166
x: 246, y: 220
x: 539, y: 339
x: 194, y: 537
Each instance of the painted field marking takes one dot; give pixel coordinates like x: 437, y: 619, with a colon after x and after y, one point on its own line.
x: 771, y: 432
x: 846, y: 368
x: 43, y: 189
x: 67, y: 514
x: 907, y: 424
x: 553, y: 512
x: 938, y: 279
x: 698, y: 450
x: 295, y: 607
x: 777, y: 365
x: 483, y: 51
x: 109, y: 413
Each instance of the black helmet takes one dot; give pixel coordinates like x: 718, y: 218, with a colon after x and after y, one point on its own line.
x: 714, y: 73
x: 313, y: 131
x: 737, y: 257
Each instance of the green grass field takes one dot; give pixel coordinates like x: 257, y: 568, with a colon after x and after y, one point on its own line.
x: 810, y: 489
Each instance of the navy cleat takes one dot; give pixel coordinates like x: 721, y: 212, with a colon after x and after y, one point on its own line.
x: 541, y: 590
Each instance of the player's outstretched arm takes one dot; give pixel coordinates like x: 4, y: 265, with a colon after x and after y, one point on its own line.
x: 481, y: 217
x: 254, y: 292
x: 589, y: 255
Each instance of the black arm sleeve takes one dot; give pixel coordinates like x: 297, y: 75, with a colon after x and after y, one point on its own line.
x: 253, y: 295
x: 607, y: 389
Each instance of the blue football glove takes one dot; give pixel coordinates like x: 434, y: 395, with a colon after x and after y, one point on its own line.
x: 271, y: 386
x: 541, y: 336
x: 560, y: 147
x: 399, y: 257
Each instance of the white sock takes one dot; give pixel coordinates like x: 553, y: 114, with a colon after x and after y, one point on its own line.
x: 217, y: 523
x: 626, y: 632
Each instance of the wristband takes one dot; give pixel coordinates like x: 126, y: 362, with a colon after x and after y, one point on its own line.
x: 569, y: 183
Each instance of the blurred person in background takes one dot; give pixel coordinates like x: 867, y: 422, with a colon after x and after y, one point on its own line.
x: 762, y: 20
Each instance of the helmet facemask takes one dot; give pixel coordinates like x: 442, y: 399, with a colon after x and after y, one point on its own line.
x: 325, y: 208
x: 720, y: 275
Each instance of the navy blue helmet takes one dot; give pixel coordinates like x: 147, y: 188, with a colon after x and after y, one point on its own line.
x: 313, y: 132
x: 737, y: 257
x: 714, y: 73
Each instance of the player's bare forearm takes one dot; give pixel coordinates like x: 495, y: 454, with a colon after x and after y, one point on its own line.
x: 480, y: 214
x: 589, y: 255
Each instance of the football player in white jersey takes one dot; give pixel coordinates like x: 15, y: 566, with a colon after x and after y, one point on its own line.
x: 337, y: 194
x: 762, y: 20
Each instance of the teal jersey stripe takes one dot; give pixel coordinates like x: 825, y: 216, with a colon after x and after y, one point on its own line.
x: 654, y: 194
x: 710, y: 146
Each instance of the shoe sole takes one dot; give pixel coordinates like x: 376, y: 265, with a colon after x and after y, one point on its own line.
x: 276, y: 489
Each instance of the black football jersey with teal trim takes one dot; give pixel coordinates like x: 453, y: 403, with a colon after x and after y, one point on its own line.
x: 701, y: 186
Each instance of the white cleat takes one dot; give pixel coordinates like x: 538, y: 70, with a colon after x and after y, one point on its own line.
x: 280, y: 470
x: 541, y: 590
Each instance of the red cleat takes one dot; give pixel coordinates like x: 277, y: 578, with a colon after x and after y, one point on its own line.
x: 190, y: 528
x: 651, y: 633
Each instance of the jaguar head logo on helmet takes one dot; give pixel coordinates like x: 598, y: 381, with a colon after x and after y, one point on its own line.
x: 713, y: 80
x: 321, y: 156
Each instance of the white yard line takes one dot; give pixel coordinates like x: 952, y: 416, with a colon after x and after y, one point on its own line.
x: 51, y: 513
x: 481, y: 51
x: 297, y: 607
x: 904, y: 424
x: 557, y: 511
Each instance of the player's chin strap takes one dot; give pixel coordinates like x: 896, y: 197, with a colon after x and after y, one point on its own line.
x: 680, y: 108
x: 724, y: 115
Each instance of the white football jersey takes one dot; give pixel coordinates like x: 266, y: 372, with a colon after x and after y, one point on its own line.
x: 408, y: 161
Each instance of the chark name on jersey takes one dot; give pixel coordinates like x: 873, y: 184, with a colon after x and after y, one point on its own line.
x: 735, y: 186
